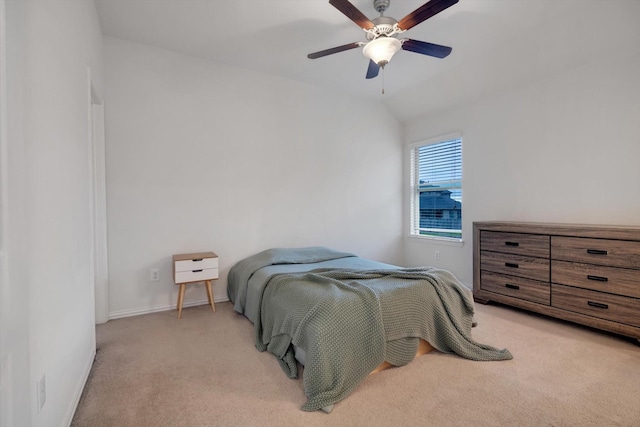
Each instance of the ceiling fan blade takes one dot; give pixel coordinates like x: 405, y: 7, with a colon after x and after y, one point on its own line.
x: 333, y: 50
x: 352, y: 13
x: 425, y: 48
x: 424, y: 12
x: 373, y: 70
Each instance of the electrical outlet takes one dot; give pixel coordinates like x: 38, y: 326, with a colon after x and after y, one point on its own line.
x: 42, y: 393
x: 436, y: 255
x: 154, y: 274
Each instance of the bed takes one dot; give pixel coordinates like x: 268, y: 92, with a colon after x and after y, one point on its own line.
x: 343, y: 317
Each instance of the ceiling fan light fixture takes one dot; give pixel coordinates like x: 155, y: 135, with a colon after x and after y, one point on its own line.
x: 381, y: 50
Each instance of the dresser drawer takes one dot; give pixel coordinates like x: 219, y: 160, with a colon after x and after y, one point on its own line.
x: 597, y: 304
x: 515, y: 265
x: 613, y: 280
x: 517, y: 287
x: 196, y: 264
x: 615, y: 253
x: 535, y: 245
x: 196, y: 275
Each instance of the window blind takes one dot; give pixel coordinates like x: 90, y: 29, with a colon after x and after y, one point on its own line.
x: 440, y: 165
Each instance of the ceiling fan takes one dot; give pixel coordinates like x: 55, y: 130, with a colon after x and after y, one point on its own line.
x: 382, y: 31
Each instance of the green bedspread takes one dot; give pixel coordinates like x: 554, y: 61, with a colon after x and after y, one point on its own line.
x: 348, y: 322
x: 240, y: 273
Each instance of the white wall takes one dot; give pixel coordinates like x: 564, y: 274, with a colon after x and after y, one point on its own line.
x: 15, y: 376
x: 202, y: 156
x: 49, y: 197
x: 564, y: 149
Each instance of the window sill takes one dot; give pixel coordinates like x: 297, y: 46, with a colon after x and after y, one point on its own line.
x: 437, y: 240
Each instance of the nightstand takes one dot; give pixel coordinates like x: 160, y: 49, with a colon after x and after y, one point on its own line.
x: 195, y: 267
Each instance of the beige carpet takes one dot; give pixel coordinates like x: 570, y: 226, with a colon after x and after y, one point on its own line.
x: 203, y: 370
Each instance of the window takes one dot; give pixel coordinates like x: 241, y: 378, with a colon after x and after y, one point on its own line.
x: 436, y: 188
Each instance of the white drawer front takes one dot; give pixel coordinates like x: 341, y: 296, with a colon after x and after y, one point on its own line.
x: 190, y: 265
x: 196, y: 275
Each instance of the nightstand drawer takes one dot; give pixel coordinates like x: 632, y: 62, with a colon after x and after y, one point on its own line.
x: 515, y: 243
x: 597, y: 304
x: 613, y: 253
x: 196, y: 264
x: 515, y: 265
x: 196, y: 275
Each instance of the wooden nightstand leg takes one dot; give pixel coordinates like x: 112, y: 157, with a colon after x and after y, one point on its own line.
x: 181, y: 299
x: 210, y: 295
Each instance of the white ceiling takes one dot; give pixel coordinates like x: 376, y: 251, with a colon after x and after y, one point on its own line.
x: 496, y: 43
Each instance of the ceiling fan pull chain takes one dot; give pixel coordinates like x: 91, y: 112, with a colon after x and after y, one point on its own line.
x: 383, y: 80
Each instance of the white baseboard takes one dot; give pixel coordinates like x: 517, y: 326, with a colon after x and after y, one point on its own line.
x: 146, y: 310
x: 79, y: 388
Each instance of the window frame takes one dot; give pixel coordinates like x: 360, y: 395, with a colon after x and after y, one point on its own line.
x: 414, y: 190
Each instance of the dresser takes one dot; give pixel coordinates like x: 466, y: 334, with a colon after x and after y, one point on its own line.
x: 582, y: 273
x: 192, y: 268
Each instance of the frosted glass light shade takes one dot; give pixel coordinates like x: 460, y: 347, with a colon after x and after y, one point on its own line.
x: 381, y: 49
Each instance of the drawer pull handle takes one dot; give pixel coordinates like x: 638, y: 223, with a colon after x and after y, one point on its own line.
x: 510, y: 264
x: 515, y: 244
x: 510, y: 286
x: 597, y: 278
x: 196, y: 271
x: 197, y: 259
x: 596, y: 252
x: 597, y: 304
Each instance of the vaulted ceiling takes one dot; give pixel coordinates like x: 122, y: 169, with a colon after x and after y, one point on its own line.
x: 497, y: 44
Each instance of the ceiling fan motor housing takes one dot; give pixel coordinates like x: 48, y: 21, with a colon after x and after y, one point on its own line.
x: 384, y: 26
